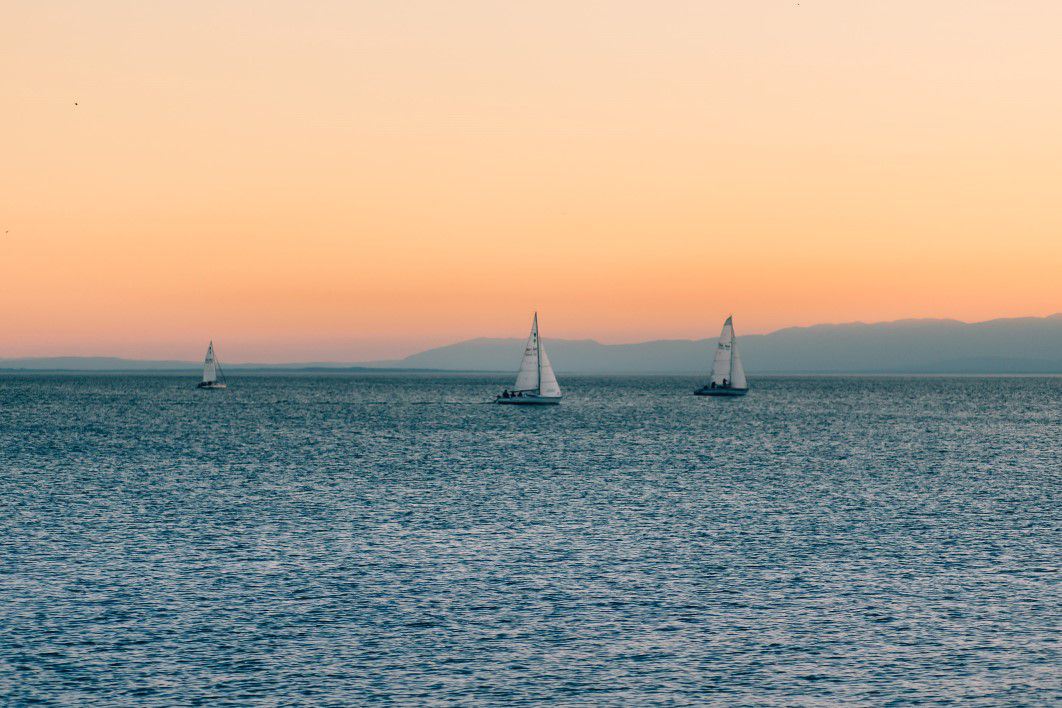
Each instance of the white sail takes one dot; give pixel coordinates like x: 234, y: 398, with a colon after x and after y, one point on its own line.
x: 721, y: 367
x: 210, y: 367
x: 737, y: 371
x: 527, y: 379
x: 547, y: 380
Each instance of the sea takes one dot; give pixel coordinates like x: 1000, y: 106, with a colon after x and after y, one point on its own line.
x: 396, y: 539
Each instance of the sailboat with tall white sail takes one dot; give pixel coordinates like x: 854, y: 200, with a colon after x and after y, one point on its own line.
x: 213, y: 376
x: 536, y: 384
x: 728, y: 375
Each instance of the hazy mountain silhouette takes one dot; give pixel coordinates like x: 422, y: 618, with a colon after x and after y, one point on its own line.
x: 95, y: 363
x: 1026, y: 345
x: 1018, y: 345
x: 110, y: 363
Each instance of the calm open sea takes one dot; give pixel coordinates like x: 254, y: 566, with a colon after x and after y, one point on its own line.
x: 350, y: 539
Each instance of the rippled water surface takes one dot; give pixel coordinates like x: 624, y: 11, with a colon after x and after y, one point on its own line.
x: 345, y: 539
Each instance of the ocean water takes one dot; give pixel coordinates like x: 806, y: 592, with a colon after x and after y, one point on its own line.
x: 329, y: 540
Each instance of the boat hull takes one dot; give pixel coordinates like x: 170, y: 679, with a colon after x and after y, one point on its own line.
x: 529, y: 400
x: 719, y: 391
x: 212, y: 385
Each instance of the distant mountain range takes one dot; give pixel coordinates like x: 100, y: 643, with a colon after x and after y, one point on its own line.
x: 1027, y: 345
x: 1030, y: 345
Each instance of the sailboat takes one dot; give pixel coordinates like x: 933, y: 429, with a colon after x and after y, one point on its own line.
x: 213, y: 376
x: 728, y: 376
x: 536, y: 384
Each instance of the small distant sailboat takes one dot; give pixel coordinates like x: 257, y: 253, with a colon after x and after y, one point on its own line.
x: 536, y: 384
x: 728, y: 376
x: 213, y: 376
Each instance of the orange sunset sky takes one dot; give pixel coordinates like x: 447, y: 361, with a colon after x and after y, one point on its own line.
x: 356, y: 180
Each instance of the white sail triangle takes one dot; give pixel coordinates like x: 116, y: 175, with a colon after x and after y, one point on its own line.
x: 737, y: 371
x: 547, y: 380
x: 210, y: 366
x: 724, y: 352
x: 528, y: 378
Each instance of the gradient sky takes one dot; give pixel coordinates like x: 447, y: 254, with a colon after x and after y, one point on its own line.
x: 353, y: 180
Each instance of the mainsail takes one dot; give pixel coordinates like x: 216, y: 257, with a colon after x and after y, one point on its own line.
x: 527, y: 379
x: 727, y: 366
x: 210, y: 366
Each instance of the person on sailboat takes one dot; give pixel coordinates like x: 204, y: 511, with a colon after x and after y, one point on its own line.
x: 724, y: 383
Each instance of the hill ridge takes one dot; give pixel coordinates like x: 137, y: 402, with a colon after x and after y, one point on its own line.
x: 914, y: 345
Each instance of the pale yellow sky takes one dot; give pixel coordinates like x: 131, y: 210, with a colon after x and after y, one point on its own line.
x: 353, y: 180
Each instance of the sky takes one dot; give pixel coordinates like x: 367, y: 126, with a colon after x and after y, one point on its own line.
x: 342, y: 181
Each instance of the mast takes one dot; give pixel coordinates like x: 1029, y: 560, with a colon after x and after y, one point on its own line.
x: 730, y: 372
x: 538, y: 347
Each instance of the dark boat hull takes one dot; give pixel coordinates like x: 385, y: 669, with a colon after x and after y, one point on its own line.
x: 529, y: 400
x: 719, y: 391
